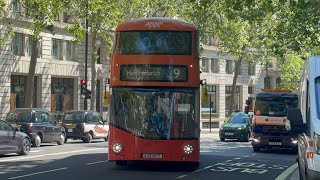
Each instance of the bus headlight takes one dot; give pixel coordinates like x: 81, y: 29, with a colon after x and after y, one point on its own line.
x: 117, y: 147
x: 188, y: 149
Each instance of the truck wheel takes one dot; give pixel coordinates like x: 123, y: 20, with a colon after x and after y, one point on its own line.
x: 222, y: 139
x: 256, y: 149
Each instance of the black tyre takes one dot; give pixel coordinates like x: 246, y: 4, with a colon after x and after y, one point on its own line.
x: 222, y: 139
x: 37, y: 141
x: 256, y: 149
x: 62, y: 139
x: 88, y: 138
x: 26, y: 146
x: 192, y: 166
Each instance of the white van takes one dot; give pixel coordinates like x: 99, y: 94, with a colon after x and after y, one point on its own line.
x: 307, y: 119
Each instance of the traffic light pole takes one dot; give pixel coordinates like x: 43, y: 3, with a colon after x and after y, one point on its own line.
x: 85, y: 103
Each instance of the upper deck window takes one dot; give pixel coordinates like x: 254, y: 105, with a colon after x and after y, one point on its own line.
x: 155, y: 42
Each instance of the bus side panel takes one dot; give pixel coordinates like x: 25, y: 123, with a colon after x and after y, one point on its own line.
x: 178, y: 154
x: 127, y: 141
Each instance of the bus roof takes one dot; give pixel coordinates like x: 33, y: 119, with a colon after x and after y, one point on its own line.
x: 276, y: 95
x: 156, y: 23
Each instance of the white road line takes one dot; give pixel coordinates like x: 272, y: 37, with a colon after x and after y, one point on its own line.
x: 96, y: 162
x: 43, y: 172
x: 53, y: 154
x: 286, y: 173
x: 36, y: 151
x: 182, y: 176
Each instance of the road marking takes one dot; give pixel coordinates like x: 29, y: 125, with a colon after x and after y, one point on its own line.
x: 96, y: 162
x: 43, y: 172
x: 287, y: 172
x: 36, y: 151
x: 53, y: 154
x: 182, y: 176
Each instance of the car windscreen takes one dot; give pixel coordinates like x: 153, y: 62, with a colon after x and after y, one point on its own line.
x: 317, y: 89
x: 156, y: 42
x: 238, y: 119
x: 19, y: 116
x: 74, y: 117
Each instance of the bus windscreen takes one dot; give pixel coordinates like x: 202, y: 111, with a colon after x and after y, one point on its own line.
x: 156, y: 42
x: 155, y: 113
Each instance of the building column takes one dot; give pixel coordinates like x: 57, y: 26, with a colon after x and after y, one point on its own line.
x: 221, y: 100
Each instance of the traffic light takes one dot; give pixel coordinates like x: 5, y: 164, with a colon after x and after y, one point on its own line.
x: 83, y: 88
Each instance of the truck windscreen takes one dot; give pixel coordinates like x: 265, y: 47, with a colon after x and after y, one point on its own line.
x: 275, y: 106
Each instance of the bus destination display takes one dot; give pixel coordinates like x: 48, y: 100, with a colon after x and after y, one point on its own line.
x: 154, y: 72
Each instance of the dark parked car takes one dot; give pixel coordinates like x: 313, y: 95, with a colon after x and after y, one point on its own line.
x: 39, y: 124
x: 237, y: 126
x: 85, y: 125
x: 13, y: 141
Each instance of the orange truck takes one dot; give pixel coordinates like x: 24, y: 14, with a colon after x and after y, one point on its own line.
x: 270, y: 127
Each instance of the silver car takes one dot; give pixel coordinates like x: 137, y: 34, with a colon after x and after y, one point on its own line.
x: 12, y: 140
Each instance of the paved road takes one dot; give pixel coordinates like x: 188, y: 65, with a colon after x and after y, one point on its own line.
x: 76, y: 160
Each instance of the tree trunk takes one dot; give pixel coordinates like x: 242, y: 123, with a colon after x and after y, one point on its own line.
x: 93, y: 70
x: 32, y: 70
x: 234, y: 82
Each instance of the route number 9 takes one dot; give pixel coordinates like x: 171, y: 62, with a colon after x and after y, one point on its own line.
x: 176, y: 73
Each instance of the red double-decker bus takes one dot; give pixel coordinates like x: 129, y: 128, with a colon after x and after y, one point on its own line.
x: 154, y: 92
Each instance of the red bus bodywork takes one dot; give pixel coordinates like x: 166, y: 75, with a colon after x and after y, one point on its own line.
x: 134, y: 147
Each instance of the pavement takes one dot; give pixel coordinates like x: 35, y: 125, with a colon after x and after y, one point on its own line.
x: 291, y: 173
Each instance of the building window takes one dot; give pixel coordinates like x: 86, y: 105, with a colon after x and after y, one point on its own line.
x: 56, y: 49
x: 17, y: 44
x: 206, y: 125
x: 18, y: 90
x: 236, y: 104
x: 250, y: 90
x: 229, y: 66
x: 29, y: 47
x: 278, y: 81
x: 65, y: 17
x: 214, y: 65
x: 267, y: 82
x: 16, y: 7
x: 69, y: 51
x: 205, y: 105
x: 252, y: 68
x: 204, y: 64
x: 61, y: 94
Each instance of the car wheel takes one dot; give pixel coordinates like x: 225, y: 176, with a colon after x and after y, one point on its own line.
x: 222, y: 139
x: 37, y: 141
x: 88, y: 138
x: 256, y: 149
x: 26, y: 145
x: 62, y: 139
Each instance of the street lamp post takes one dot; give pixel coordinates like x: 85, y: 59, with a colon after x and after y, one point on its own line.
x: 85, y: 103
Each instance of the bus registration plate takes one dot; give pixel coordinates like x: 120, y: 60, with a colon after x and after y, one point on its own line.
x: 151, y: 155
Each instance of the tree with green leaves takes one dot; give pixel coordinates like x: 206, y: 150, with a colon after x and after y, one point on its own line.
x: 242, y: 29
x: 42, y: 14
